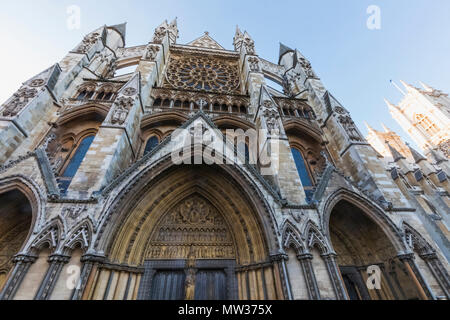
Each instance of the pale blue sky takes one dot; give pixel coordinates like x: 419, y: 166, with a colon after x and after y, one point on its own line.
x: 354, y: 63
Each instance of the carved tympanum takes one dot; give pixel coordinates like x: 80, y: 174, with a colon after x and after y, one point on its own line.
x: 194, y: 229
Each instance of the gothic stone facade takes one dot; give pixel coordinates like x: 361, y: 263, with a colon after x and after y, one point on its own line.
x: 87, y: 183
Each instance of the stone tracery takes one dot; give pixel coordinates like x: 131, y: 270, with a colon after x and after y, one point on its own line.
x: 203, y: 73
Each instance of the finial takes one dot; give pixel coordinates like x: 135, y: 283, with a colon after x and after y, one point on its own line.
x: 386, y: 129
x: 398, y: 88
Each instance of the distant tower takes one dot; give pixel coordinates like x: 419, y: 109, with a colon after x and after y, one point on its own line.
x: 382, y: 140
x: 425, y: 115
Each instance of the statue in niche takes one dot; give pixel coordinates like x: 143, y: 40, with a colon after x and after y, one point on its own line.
x: 189, y: 285
x: 350, y: 128
x: 120, y: 114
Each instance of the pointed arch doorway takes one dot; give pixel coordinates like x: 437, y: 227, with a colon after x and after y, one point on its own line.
x: 366, y: 247
x: 191, y: 254
x: 16, y: 220
x: 185, y: 221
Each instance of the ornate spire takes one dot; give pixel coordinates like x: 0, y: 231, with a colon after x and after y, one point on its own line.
x: 437, y: 157
x: 392, y: 107
x: 426, y: 87
x: 206, y: 41
x: 408, y: 86
x: 416, y: 155
x: 386, y: 129
x: 369, y: 128
x: 284, y: 49
x: 395, y: 154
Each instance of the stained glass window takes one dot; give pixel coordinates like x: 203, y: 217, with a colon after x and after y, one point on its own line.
x: 75, y: 163
x: 303, y: 173
x: 152, y: 143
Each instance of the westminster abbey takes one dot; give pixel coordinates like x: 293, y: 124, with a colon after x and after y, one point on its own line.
x: 94, y: 207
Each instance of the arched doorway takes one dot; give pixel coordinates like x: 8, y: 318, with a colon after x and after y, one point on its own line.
x: 198, y: 232
x: 197, y: 240
x: 365, y: 251
x: 15, y: 222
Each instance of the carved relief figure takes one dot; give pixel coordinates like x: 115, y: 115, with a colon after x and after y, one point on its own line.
x: 254, y: 64
x: 190, y: 285
x: 87, y: 43
x: 121, y: 111
x: 152, y: 52
x: 350, y: 127
x: 19, y: 101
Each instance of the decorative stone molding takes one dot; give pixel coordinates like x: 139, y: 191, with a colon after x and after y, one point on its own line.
x: 254, y: 64
x: 88, y: 42
x: 151, y: 52
x: 122, y: 107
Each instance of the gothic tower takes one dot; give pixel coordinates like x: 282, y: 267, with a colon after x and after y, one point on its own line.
x: 189, y: 177
x: 425, y: 115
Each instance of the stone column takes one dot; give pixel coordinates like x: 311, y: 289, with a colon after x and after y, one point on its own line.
x: 90, y: 265
x: 335, y: 275
x: 310, y: 277
x: 280, y: 168
x: 279, y: 263
x: 421, y: 285
x: 389, y: 282
x: 57, y: 262
x: 439, y: 272
x: 23, y: 263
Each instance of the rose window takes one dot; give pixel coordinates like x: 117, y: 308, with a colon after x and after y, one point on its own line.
x: 204, y: 74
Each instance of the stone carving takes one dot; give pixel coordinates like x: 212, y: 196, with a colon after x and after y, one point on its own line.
x: 190, y: 285
x: 202, y: 103
x: 306, y: 65
x: 289, y: 84
x: 87, y: 43
x: 19, y: 101
x: 35, y: 83
x: 152, y: 52
x: 272, y: 120
x: 203, y: 73
x: 206, y: 42
x: 243, y: 39
x: 74, y: 212
x: 123, y: 53
x: 254, y: 64
x: 350, y: 127
x: 445, y: 148
x: 129, y: 92
x: 250, y: 46
x: 271, y: 116
x: 158, y: 37
x: 122, y: 108
x: 340, y: 110
x: 193, y: 230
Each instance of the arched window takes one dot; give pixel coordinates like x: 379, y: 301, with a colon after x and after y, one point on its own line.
x: 303, y: 173
x: 426, y: 124
x: 152, y: 143
x: 101, y: 95
x: 82, y: 95
x: 75, y: 163
x: 247, y: 154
